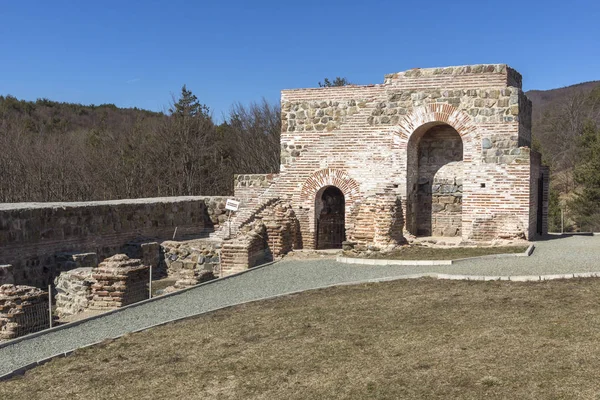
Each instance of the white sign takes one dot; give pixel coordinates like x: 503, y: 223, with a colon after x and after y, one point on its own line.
x: 232, y: 205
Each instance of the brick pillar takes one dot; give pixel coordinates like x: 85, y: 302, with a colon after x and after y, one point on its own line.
x: 23, y: 310
x: 120, y: 281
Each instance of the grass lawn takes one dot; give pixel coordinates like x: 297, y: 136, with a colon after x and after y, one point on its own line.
x: 407, y: 339
x: 450, y: 253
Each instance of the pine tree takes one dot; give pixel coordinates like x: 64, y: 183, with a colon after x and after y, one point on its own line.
x: 586, y: 203
x: 188, y: 105
x: 336, y: 82
x: 190, y: 137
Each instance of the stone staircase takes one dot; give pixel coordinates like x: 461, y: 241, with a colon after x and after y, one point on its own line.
x: 247, y: 214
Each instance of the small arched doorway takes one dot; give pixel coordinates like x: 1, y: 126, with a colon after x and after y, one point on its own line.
x: 330, y: 210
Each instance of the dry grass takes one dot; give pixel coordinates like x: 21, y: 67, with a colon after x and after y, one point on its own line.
x: 412, y: 339
x: 450, y: 253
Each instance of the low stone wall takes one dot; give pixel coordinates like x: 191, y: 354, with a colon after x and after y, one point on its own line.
x: 120, y: 281
x: 191, y: 262
x: 32, y: 234
x: 23, y: 310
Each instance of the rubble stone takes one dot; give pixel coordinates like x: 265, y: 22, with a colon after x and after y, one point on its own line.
x: 191, y: 262
x: 74, y: 289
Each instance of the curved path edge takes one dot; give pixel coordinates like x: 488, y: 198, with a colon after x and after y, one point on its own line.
x: 381, y: 261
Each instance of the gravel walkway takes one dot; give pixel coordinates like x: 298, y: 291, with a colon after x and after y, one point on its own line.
x: 564, y: 255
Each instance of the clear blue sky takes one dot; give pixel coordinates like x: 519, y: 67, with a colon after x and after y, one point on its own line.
x: 139, y: 53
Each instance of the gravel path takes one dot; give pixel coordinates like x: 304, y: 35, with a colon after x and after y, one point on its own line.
x: 564, y: 255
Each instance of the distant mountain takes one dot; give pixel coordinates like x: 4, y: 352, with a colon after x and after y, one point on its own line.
x: 541, y: 99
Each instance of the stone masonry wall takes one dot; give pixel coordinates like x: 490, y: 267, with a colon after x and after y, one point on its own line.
x: 247, y: 250
x: 282, y: 229
x: 465, y: 76
x: 249, y: 186
x: 31, y: 234
x: 378, y: 221
x: 149, y: 252
x: 7, y: 275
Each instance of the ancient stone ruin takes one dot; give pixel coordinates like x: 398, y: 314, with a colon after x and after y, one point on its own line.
x: 429, y: 152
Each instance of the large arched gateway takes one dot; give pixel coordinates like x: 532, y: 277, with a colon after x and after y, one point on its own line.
x: 435, y: 181
x: 330, y: 217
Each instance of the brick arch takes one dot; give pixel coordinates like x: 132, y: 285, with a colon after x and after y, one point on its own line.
x: 329, y: 177
x: 314, y: 185
x: 437, y: 113
x: 413, y: 127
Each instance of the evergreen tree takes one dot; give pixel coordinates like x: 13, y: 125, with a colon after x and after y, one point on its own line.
x: 586, y: 203
x: 188, y: 105
x: 554, y: 210
x: 336, y: 82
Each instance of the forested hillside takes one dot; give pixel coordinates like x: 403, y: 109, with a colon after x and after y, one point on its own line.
x: 566, y: 128
x: 66, y: 152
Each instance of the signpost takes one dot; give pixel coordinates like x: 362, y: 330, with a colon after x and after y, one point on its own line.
x: 231, y: 205
x: 50, y: 303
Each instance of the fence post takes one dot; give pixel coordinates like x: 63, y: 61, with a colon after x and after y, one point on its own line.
x: 150, y: 283
x: 229, y: 225
x: 562, y: 221
x: 50, y: 303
